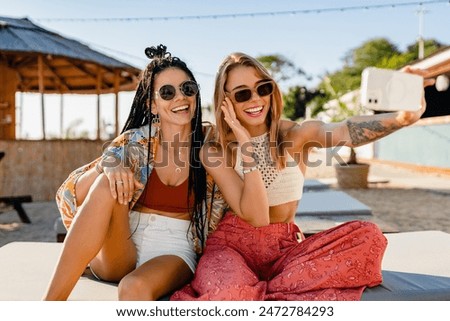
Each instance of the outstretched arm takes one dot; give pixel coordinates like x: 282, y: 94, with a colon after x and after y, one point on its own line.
x: 360, y: 130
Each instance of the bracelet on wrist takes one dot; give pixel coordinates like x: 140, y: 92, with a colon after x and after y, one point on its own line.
x: 249, y: 170
x: 98, y: 169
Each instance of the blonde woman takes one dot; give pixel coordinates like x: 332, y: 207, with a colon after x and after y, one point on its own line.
x: 257, y: 251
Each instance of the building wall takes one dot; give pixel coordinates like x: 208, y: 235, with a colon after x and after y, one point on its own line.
x: 424, y: 144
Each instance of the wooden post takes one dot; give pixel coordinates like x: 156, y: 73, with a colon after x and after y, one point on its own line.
x: 98, y: 89
x: 8, y: 87
x: 116, y: 95
x: 41, y: 91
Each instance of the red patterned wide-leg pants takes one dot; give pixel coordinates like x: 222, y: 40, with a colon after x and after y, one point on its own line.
x: 242, y: 262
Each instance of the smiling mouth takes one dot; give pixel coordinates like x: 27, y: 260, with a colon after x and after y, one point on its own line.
x: 180, y: 109
x: 254, y: 111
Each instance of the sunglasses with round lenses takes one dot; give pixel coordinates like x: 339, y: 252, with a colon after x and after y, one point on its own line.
x: 188, y: 88
x: 262, y: 89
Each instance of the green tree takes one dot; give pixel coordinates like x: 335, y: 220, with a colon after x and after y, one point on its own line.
x: 296, y: 100
x: 430, y: 47
x: 412, y: 53
x: 370, y: 53
x: 378, y: 52
x: 280, y: 67
x: 297, y: 97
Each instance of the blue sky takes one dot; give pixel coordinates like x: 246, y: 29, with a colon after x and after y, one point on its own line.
x: 316, y: 42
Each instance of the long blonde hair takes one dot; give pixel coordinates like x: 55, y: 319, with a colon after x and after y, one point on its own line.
x: 276, y: 104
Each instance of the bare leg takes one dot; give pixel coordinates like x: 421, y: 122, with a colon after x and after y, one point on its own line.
x: 155, y: 278
x: 99, y: 233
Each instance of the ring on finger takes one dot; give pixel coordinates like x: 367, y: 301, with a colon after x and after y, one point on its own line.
x: 119, y: 182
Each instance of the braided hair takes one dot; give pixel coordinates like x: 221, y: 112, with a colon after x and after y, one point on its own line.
x: 140, y: 115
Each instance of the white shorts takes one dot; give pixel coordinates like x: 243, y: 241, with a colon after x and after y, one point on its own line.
x: 156, y: 235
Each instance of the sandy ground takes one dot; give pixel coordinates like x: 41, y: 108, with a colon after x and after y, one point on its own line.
x: 42, y: 215
x: 407, y: 200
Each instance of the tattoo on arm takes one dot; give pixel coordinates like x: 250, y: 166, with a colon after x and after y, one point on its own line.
x: 364, y: 132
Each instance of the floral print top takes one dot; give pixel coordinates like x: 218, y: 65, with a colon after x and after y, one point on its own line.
x: 131, y: 148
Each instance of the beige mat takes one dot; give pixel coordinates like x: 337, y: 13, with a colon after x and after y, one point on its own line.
x: 26, y: 267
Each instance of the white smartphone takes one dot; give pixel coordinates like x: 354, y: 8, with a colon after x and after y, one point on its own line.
x: 390, y: 90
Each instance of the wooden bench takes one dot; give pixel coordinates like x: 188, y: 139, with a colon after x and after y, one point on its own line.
x: 16, y: 203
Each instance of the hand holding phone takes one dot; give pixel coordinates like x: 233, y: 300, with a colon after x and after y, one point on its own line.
x: 391, y: 90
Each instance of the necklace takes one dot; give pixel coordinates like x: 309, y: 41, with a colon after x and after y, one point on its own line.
x: 177, y: 168
x: 177, y: 160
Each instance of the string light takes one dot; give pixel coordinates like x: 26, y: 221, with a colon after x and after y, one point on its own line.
x: 251, y: 14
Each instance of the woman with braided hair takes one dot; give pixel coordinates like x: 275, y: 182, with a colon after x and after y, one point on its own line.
x: 139, y: 214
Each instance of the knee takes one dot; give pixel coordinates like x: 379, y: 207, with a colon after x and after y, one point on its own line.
x: 134, y: 288
x: 100, y: 187
x: 100, y: 193
x: 374, y: 233
x: 372, y: 229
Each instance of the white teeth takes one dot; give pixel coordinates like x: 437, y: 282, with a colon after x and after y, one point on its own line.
x: 180, y: 108
x: 254, y: 110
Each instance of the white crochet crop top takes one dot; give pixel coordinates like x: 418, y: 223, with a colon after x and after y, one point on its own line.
x: 282, y: 186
